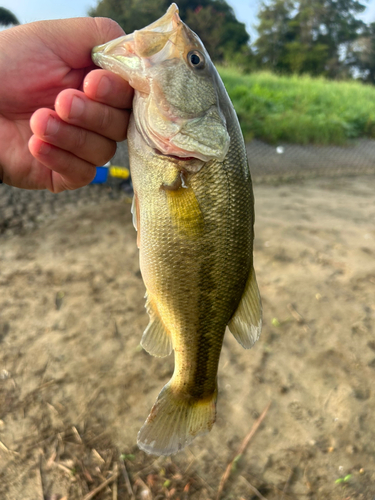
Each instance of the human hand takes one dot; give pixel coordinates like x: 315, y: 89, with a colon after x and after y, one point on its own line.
x: 58, y: 118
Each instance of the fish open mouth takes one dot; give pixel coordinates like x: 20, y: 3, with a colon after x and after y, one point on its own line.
x: 175, y: 157
x: 187, y: 165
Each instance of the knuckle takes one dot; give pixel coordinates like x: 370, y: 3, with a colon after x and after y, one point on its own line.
x: 107, y: 29
x: 79, y: 139
x: 105, y: 119
x: 83, y: 175
x: 112, y: 150
x: 121, y: 127
x: 107, y: 153
x: 122, y: 131
x: 87, y: 175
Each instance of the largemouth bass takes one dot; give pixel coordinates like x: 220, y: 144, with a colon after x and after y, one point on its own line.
x: 193, y: 209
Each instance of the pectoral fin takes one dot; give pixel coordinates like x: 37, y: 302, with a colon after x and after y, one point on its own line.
x: 246, y: 323
x: 155, y: 339
x: 135, y: 215
x: 186, y: 215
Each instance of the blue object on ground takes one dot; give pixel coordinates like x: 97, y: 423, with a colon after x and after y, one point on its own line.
x: 101, y: 175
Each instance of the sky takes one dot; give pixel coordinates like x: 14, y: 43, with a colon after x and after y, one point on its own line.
x: 36, y: 10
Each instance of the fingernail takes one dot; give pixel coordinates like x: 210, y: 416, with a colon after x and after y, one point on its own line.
x: 76, y: 108
x: 53, y: 126
x: 104, y: 87
x: 44, y: 148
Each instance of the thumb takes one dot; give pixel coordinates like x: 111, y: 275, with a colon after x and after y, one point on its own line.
x: 73, y: 39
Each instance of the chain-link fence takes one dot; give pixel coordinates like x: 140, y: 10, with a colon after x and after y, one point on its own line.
x: 292, y: 161
x: 22, y: 209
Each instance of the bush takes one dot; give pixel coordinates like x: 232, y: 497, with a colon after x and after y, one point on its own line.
x: 300, y: 110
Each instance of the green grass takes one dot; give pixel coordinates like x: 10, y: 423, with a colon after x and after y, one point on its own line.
x: 300, y: 110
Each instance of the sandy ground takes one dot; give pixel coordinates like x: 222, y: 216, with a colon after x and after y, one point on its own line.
x: 75, y: 387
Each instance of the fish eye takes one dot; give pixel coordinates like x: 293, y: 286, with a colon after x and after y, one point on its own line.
x: 196, y: 59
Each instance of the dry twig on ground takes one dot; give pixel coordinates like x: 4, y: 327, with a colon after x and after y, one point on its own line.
x: 241, y: 450
x: 127, y: 480
x: 101, y: 487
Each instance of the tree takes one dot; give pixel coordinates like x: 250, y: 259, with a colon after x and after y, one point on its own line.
x: 364, y: 55
x: 130, y: 15
x: 274, y: 33
x: 213, y: 21
x: 310, y: 36
x: 7, y: 18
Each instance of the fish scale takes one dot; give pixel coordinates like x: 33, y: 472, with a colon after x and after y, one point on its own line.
x: 194, y: 212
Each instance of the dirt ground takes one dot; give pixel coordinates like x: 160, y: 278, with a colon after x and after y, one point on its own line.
x: 75, y: 386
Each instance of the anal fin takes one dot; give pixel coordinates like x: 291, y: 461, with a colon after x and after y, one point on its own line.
x: 156, y: 340
x: 246, y: 322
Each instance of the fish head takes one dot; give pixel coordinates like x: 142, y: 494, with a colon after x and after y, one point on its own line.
x: 176, y: 105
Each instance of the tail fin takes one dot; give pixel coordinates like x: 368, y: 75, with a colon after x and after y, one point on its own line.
x: 175, y: 421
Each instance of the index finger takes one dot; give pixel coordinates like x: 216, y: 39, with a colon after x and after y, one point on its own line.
x: 108, y: 88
